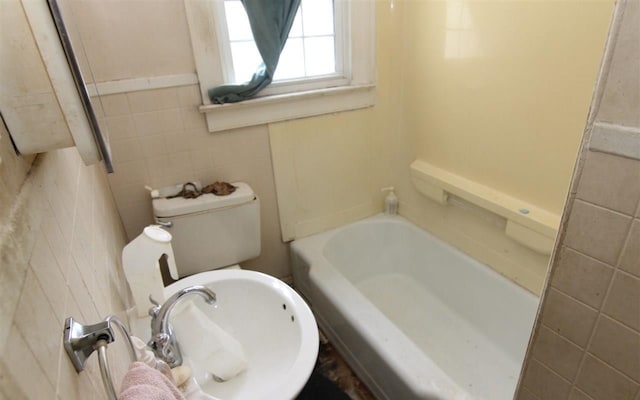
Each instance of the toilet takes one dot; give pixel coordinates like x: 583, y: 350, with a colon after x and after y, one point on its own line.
x: 210, y: 232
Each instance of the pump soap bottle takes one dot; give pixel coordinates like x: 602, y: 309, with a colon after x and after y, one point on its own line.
x: 390, y: 202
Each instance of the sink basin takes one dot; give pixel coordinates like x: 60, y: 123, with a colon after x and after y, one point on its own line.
x: 272, y: 323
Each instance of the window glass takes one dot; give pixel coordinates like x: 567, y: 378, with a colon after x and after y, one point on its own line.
x: 246, y: 59
x: 291, y: 64
x: 296, y: 28
x: 317, y: 17
x: 319, y: 55
x: 309, y: 51
x: 237, y: 21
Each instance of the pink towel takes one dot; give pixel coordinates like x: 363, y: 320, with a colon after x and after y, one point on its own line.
x: 142, y: 382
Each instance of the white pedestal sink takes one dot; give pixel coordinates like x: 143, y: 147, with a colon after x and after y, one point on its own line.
x: 273, y: 324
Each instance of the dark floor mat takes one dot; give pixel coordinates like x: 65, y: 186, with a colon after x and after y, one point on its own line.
x: 320, y: 387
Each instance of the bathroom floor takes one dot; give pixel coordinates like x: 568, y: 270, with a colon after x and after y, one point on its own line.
x: 332, y: 379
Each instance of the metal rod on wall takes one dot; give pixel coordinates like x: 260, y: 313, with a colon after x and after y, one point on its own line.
x: 80, y: 86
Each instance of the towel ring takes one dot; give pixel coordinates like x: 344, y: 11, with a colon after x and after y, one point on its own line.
x: 105, y: 371
x: 81, y: 340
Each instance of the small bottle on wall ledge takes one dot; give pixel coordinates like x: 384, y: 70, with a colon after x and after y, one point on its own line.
x: 390, y: 202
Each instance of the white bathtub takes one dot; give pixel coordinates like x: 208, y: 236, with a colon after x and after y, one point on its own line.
x: 414, y: 317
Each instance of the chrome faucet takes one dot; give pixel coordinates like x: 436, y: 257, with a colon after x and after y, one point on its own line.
x: 163, y: 342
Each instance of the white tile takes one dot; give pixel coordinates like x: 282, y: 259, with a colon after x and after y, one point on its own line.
x: 157, y: 122
x: 130, y: 173
x: 189, y: 96
x: 12, y: 276
x: 153, y: 100
x: 616, y: 139
x: 35, y: 321
x: 193, y: 119
x: 114, y: 105
x: 127, y: 195
x: 82, y: 297
x: 129, y: 149
x: 177, y: 142
x: 153, y: 146
x: 48, y: 273
x: 202, y: 159
x: 122, y: 127
x: 26, y: 369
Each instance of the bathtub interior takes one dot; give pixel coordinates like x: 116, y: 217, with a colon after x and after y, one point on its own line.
x: 376, y: 253
x: 473, y: 323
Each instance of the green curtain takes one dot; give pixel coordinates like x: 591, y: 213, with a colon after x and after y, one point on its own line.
x: 271, y: 22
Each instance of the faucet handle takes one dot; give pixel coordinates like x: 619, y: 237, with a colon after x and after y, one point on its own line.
x: 153, y: 301
x: 165, y: 345
x: 153, y: 311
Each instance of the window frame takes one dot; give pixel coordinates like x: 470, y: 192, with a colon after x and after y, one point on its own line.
x: 290, y: 99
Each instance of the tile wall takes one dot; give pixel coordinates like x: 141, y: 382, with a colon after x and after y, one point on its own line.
x: 587, y: 340
x: 159, y: 138
x: 60, y: 246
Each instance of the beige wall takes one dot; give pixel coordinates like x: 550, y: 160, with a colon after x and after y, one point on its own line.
x: 129, y: 39
x: 505, y: 106
x: 586, y: 343
x: 60, y: 244
x: 498, y: 92
x: 329, y: 170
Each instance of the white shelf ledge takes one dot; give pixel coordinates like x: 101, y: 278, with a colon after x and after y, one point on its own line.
x: 529, y: 225
x: 283, y: 107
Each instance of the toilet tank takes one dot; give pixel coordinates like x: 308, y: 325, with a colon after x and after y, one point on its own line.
x: 210, y: 231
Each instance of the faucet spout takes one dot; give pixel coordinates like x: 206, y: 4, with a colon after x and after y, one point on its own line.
x: 163, y: 341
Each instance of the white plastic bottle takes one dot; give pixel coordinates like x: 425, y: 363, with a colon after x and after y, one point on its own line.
x: 390, y: 202
x: 145, y: 355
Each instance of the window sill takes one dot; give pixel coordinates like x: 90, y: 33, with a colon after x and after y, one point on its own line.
x: 289, y: 106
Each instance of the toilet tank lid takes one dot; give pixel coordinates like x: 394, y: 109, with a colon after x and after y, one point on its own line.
x: 180, y: 206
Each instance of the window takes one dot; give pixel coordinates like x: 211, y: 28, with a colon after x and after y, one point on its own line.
x: 310, y: 51
x: 327, y: 65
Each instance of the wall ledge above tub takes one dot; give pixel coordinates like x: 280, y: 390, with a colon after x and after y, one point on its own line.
x: 527, y: 224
